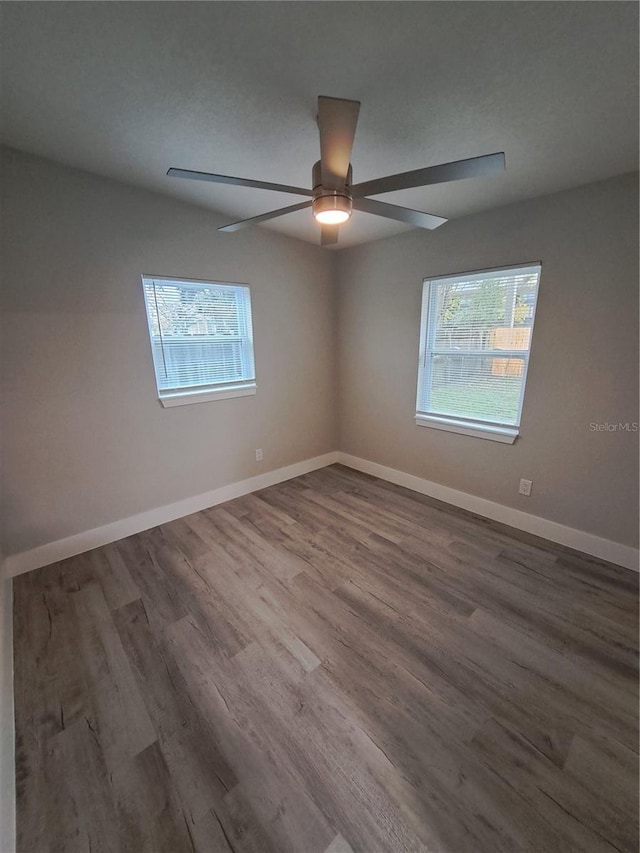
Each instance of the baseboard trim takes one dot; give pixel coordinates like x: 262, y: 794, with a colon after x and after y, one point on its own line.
x: 44, y: 555
x: 7, y: 724
x: 579, y: 540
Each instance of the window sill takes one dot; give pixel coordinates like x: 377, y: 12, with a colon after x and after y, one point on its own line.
x: 187, y: 398
x: 507, y: 435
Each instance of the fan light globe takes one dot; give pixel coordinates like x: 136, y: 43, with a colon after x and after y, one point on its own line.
x: 332, y: 217
x: 332, y: 209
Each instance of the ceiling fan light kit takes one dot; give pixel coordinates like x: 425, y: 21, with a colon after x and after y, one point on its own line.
x: 330, y: 207
x: 333, y: 194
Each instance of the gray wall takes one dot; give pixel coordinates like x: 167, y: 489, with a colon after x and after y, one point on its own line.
x: 86, y: 441
x: 584, y: 360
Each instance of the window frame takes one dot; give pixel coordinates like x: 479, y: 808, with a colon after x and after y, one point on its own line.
x: 467, y: 425
x: 205, y: 392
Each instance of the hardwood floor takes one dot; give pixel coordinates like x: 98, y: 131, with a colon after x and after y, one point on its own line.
x: 332, y: 664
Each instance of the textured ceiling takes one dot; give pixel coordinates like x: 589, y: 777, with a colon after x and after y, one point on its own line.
x: 128, y: 89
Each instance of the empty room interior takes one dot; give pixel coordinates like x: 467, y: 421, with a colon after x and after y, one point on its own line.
x: 319, y: 421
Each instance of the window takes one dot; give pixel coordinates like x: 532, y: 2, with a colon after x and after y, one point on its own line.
x: 475, y: 338
x: 201, y: 339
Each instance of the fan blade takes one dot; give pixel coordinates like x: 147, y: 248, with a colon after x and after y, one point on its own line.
x: 263, y: 217
x: 238, y: 182
x: 475, y: 167
x: 329, y: 235
x: 402, y: 214
x: 337, y: 120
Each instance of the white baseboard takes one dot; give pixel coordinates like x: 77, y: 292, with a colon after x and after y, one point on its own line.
x: 35, y: 558
x: 596, y: 546
x: 7, y: 726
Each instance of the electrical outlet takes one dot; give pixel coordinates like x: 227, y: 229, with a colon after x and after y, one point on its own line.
x: 525, y: 487
x: 259, y: 455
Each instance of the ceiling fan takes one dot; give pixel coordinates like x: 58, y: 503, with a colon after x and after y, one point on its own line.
x: 334, y: 195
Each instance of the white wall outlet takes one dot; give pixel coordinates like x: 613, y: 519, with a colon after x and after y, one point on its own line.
x: 525, y: 487
x: 259, y: 455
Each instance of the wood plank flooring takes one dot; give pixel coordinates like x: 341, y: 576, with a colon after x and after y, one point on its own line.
x: 331, y: 665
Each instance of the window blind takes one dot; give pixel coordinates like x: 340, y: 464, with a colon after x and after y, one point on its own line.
x: 474, y: 345
x: 201, y: 334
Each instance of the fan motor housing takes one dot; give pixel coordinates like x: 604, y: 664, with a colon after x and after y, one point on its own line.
x: 325, y: 200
